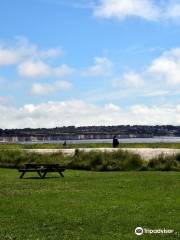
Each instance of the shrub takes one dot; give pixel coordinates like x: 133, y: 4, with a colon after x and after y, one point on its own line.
x: 17, y: 158
x: 106, y: 161
x: 164, y: 163
x: 178, y: 157
x: 94, y: 160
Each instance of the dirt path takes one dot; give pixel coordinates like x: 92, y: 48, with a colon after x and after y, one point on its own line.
x: 146, y: 153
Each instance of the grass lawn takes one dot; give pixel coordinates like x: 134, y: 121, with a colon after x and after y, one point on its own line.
x: 88, y: 145
x: 88, y: 205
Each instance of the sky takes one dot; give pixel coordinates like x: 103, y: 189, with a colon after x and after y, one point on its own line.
x: 89, y: 62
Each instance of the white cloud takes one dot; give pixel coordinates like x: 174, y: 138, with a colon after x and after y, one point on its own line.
x: 130, y: 79
x: 21, y: 49
x: 102, y: 67
x: 4, y: 100
x: 63, y: 70
x: 34, y: 69
x: 112, y: 107
x: 167, y: 67
x: 159, y: 79
x: 124, y: 8
x: 150, y: 10
x: 30, y: 60
x: 158, y: 82
x: 51, y: 52
x: 157, y: 93
x: 78, y: 112
x: 8, y: 56
x: 38, y: 69
x: 63, y: 85
x: 157, y: 114
x: 173, y: 11
x: 46, y: 89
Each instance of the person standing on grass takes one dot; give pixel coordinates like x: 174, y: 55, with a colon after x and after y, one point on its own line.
x: 64, y: 144
x: 115, y: 142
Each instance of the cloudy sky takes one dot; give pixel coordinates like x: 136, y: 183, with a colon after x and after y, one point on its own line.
x: 89, y: 62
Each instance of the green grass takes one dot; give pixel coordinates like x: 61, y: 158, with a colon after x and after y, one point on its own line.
x: 88, y: 205
x: 89, y: 145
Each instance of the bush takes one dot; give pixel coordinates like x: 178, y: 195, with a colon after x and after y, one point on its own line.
x: 17, y: 158
x: 106, y: 161
x: 178, y: 157
x: 94, y: 160
x: 11, y: 158
x: 122, y: 161
x: 164, y: 163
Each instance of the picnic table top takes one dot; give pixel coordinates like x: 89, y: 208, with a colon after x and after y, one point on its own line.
x: 41, y: 166
x: 41, y: 169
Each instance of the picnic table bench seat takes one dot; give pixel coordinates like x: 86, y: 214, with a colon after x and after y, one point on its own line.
x: 41, y: 169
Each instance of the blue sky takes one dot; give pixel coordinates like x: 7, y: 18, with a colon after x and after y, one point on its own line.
x: 86, y: 62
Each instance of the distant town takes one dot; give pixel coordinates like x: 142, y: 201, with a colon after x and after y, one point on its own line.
x: 87, y: 133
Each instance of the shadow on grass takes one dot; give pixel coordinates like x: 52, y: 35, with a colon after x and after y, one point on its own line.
x: 35, y: 178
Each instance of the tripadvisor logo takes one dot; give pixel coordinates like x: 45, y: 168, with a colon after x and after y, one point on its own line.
x: 139, y: 231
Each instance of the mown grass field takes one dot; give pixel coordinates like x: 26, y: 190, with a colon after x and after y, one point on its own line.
x: 88, y: 145
x: 88, y: 205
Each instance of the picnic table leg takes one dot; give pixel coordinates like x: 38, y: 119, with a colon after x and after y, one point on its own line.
x: 39, y: 174
x: 44, y: 174
x: 22, y: 174
x: 61, y: 174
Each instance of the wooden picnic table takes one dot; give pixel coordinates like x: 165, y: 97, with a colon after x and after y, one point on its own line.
x: 41, y: 169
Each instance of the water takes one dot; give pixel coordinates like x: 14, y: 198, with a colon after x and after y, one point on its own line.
x: 121, y: 140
